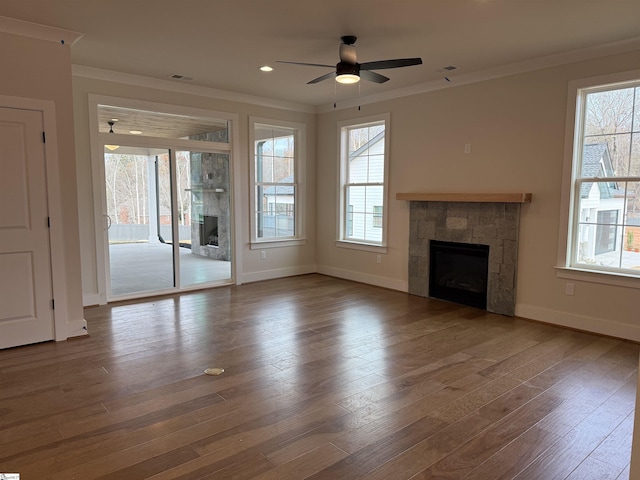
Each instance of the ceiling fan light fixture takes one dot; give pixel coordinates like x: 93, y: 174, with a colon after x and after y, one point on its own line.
x: 347, y: 78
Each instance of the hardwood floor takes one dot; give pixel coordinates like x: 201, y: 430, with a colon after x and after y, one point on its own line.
x: 324, y: 379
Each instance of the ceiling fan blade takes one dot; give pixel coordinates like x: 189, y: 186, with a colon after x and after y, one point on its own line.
x: 307, y: 64
x: 373, y: 76
x: 323, y: 77
x: 396, y: 63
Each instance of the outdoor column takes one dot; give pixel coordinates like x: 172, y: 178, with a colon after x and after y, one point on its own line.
x: 152, y: 195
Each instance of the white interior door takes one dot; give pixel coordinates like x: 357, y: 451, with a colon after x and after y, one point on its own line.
x: 26, y: 310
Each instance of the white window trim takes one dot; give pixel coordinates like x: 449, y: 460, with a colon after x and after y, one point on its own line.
x: 573, y: 139
x: 256, y: 243
x: 342, y: 174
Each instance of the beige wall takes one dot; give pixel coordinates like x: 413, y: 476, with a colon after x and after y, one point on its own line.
x: 279, y: 262
x: 516, y: 126
x: 40, y: 69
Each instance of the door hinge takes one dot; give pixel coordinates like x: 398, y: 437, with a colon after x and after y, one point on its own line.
x: 53, y: 304
x: 44, y: 138
x: 48, y: 222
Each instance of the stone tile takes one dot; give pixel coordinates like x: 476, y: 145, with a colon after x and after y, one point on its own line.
x: 457, y: 223
x: 485, y: 231
x: 426, y: 229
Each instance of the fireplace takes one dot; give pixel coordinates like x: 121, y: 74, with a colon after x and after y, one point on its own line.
x: 458, y: 272
x: 494, y: 225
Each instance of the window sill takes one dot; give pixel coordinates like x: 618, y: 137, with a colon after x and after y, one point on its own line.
x: 289, y: 242
x: 598, y: 276
x: 367, y: 247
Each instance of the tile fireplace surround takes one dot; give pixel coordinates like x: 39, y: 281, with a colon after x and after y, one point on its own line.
x: 485, y: 219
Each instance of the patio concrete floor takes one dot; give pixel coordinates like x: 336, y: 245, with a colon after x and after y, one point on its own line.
x: 145, y: 267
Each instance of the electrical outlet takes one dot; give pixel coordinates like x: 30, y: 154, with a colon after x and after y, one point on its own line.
x: 570, y: 288
x: 263, y: 254
x: 467, y: 148
x: 379, y: 259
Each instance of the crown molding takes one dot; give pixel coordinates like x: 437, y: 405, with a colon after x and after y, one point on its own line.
x: 168, y: 85
x: 624, y: 46
x: 42, y: 32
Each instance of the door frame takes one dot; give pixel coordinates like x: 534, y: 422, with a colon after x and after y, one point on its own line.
x: 54, y: 199
x: 97, y: 142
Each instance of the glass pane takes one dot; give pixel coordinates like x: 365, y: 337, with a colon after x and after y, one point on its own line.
x: 358, y: 167
x: 365, y: 140
x: 636, y: 116
x: 376, y: 169
x: 138, y: 194
x: 365, y: 203
x: 283, y: 170
x: 606, y: 155
x: 278, y: 217
x: 631, y: 253
x: 283, y: 146
x: 609, y: 112
x: 634, y: 163
x: 130, y: 121
x: 264, y: 168
x: 203, y: 191
x: 632, y: 212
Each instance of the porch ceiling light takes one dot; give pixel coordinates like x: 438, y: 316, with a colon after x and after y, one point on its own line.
x: 110, y: 123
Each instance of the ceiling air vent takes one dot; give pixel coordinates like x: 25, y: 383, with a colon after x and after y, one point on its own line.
x: 177, y: 76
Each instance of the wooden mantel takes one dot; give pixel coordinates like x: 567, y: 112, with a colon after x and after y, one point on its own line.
x: 466, y: 197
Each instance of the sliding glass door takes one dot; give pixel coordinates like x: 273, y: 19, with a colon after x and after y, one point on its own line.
x: 168, y: 216
x: 205, y: 207
x: 166, y: 200
x: 139, y: 219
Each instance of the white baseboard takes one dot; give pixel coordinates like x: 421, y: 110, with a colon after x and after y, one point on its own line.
x: 277, y: 273
x: 90, y: 299
x: 378, y: 281
x: 77, y: 328
x: 580, y: 322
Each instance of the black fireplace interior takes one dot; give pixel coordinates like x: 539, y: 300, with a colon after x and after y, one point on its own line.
x: 458, y: 272
x: 209, y: 231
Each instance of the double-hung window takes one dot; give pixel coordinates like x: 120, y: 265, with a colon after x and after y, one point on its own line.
x: 278, y: 182
x: 364, y: 165
x: 603, y: 233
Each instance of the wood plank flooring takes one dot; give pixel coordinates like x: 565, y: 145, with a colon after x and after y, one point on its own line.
x: 324, y: 379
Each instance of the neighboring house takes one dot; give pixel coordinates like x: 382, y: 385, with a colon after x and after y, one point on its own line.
x: 602, y: 205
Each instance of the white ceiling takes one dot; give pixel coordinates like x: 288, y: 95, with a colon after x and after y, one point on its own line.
x: 221, y: 43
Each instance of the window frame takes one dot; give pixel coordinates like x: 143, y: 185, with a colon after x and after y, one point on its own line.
x: 299, y: 134
x: 342, y: 213
x: 566, y: 267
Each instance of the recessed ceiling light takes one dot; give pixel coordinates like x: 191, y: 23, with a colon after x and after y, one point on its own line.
x: 266, y: 68
x: 135, y: 132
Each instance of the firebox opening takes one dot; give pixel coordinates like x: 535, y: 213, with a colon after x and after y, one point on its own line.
x: 209, y: 231
x: 458, y: 272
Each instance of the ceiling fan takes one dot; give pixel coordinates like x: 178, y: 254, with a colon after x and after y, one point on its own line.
x: 348, y: 70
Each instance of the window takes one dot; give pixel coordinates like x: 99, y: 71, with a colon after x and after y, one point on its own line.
x: 363, y: 178
x: 604, y: 213
x: 277, y: 190
x: 377, y: 216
